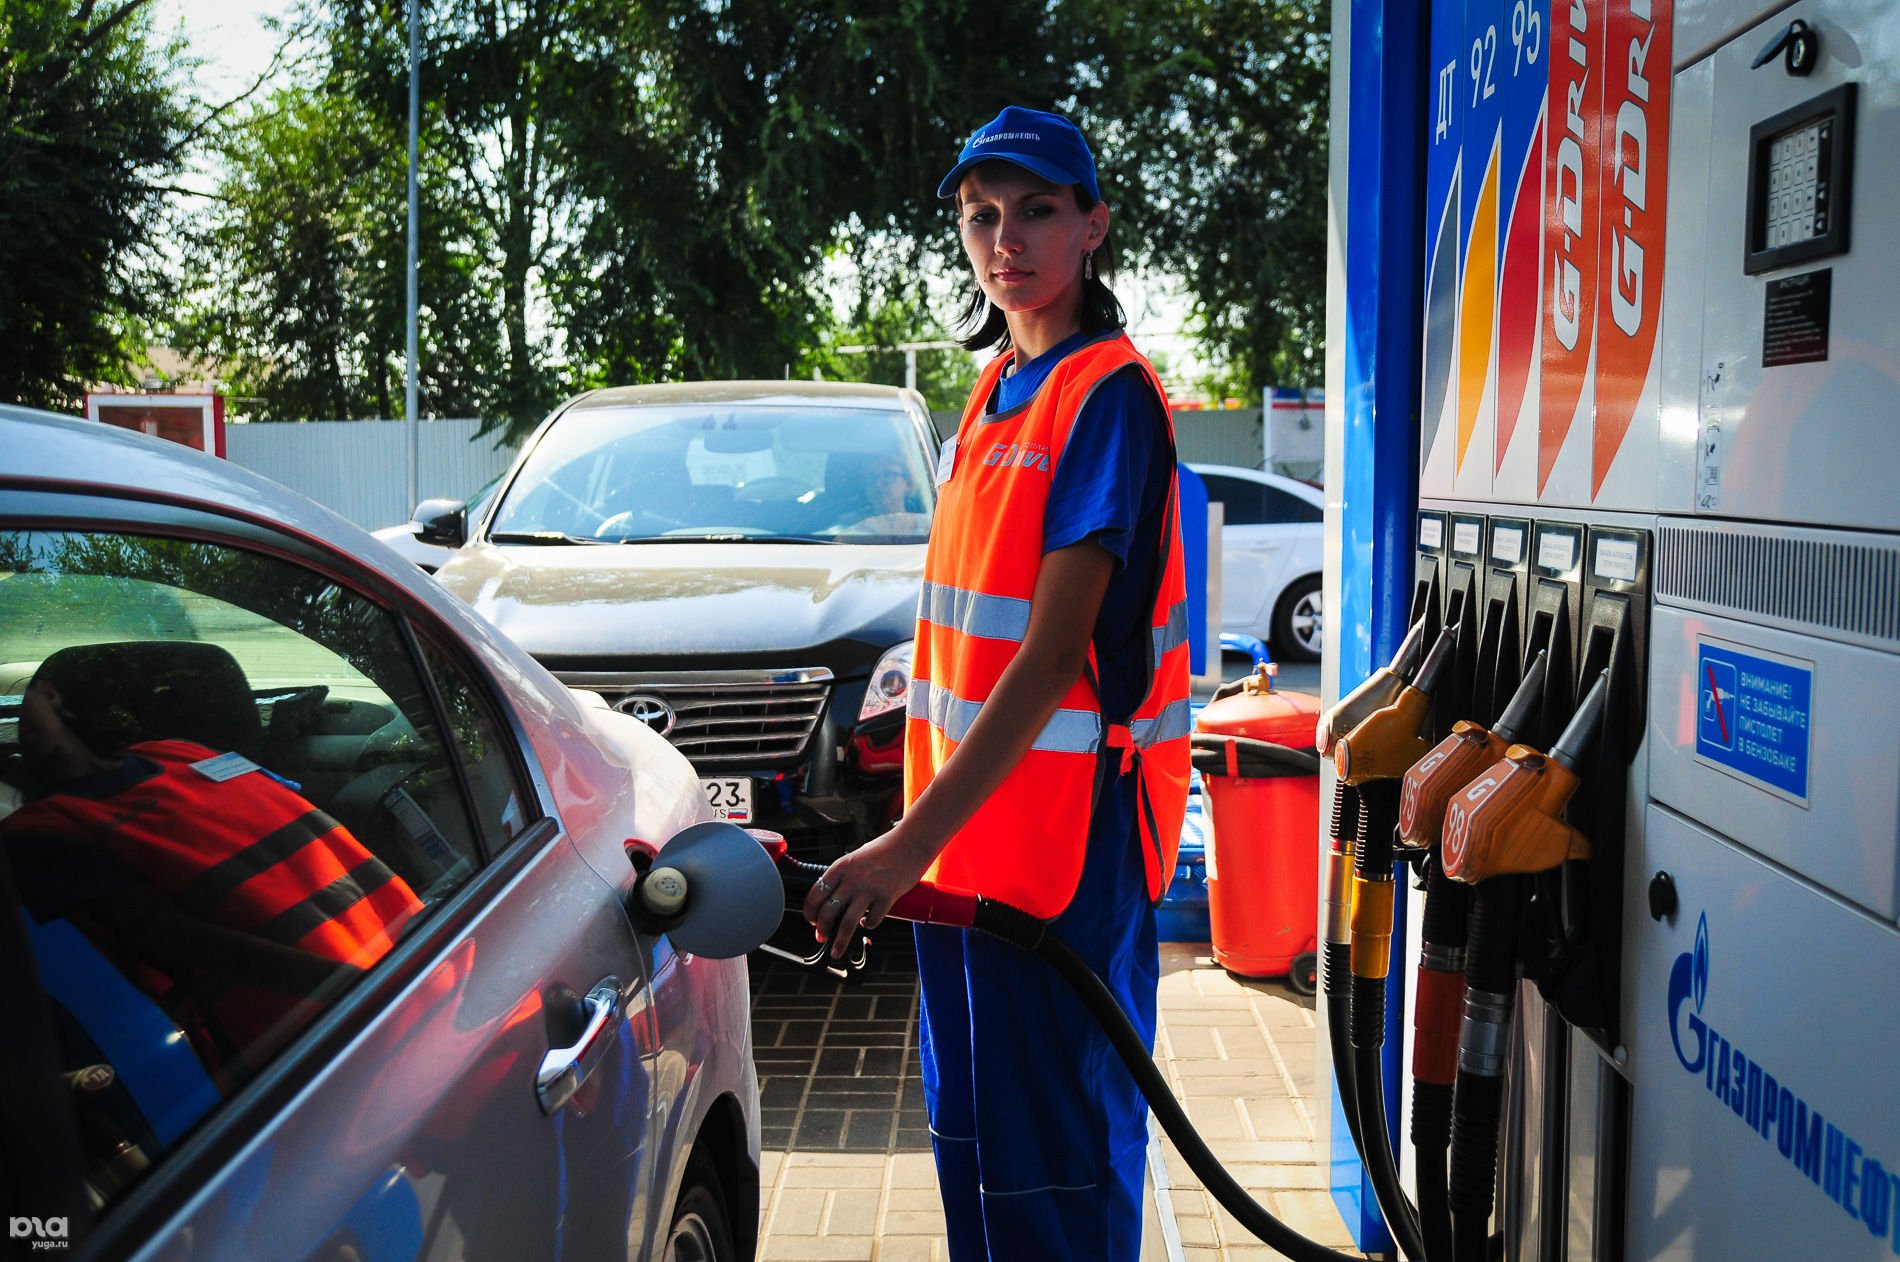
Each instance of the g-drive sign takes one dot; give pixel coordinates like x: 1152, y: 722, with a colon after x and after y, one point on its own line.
x: 1753, y: 717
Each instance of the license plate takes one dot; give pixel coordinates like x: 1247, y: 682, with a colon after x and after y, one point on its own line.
x: 730, y: 798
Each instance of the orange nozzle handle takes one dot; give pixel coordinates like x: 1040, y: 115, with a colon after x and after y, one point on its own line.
x: 1430, y: 783
x: 1508, y: 821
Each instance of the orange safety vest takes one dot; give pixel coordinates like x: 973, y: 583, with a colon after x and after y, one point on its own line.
x: 248, y: 854
x: 1026, y: 843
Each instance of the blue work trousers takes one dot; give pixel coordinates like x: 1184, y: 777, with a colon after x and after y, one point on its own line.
x: 1038, y: 1129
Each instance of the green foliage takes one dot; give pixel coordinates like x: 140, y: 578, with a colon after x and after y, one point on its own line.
x: 1216, y: 118
x: 93, y: 121
x: 618, y: 191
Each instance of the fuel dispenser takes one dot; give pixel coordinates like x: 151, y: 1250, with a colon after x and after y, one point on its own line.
x: 1648, y: 332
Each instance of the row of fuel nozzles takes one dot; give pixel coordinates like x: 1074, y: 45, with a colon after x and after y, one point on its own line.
x: 1496, y: 803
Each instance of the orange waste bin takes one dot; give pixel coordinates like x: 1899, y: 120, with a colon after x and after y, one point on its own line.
x: 1254, y: 749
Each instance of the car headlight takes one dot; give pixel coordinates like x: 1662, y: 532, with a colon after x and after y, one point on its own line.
x: 889, y: 688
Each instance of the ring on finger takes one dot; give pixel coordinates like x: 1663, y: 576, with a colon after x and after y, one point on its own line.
x: 824, y: 886
x: 834, y: 902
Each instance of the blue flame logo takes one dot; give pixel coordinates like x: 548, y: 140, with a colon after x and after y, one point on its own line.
x: 1699, y: 978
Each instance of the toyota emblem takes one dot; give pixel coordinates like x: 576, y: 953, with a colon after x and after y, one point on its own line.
x: 650, y: 710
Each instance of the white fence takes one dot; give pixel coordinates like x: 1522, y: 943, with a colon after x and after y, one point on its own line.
x: 359, y: 469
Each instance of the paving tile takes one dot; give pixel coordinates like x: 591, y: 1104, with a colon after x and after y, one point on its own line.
x: 841, y: 1061
x: 816, y: 1249
x: 907, y: 1222
x: 852, y: 1213
x: 868, y: 1130
x: 914, y: 1170
x: 820, y: 1129
x: 835, y: 1160
x: 781, y: 1091
x: 832, y: 1178
x: 901, y: 1199
x: 797, y: 1212
x: 1275, y: 1118
x: 911, y: 1249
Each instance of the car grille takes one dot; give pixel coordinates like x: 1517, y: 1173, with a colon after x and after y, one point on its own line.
x: 720, y: 718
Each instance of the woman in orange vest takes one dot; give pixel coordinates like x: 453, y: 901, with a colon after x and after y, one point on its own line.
x: 1046, y: 758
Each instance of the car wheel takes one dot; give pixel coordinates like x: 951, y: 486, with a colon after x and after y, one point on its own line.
x: 702, y: 1225
x: 1298, y: 621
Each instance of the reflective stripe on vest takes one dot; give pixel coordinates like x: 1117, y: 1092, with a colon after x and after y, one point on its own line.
x: 247, y: 853
x: 1026, y: 843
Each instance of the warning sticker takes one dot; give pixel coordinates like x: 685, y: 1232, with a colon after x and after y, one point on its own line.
x: 1752, y: 717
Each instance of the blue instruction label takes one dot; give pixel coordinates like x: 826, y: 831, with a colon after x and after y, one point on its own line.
x: 1752, y: 717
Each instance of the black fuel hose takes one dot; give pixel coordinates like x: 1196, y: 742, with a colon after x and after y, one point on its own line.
x: 1379, y: 817
x: 1021, y: 929
x: 1337, y: 961
x: 1443, y: 941
x: 1490, y: 980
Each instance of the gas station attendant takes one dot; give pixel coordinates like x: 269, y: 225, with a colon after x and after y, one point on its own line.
x: 1046, y: 745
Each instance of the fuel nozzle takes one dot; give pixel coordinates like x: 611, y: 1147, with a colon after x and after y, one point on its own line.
x: 1379, y: 690
x: 1455, y: 761
x: 1508, y: 820
x: 1392, y: 738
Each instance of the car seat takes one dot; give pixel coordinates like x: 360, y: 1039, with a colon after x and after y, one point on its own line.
x: 134, y: 690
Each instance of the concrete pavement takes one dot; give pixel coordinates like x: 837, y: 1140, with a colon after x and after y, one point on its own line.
x: 847, y: 1168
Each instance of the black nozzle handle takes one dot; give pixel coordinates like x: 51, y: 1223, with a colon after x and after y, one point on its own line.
x: 1584, y: 724
x: 1438, y: 661
x: 1525, y: 702
x: 1405, y: 661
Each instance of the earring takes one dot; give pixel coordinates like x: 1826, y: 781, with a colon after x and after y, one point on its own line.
x: 1088, y: 266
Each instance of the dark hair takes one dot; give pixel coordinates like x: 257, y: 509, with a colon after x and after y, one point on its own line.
x: 1101, y: 311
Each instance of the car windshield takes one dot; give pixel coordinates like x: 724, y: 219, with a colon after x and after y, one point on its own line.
x: 722, y: 471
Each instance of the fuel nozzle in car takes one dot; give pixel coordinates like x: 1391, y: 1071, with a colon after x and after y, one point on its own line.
x: 1508, y: 820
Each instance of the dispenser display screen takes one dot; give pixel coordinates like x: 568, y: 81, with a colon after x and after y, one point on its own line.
x: 1799, y: 166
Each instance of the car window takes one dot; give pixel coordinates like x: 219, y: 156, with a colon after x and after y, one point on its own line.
x: 504, y: 806
x: 722, y: 471
x: 1285, y: 506
x: 223, y: 803
x: 1243, y: 503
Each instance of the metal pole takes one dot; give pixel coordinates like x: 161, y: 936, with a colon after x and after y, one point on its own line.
x: 410, y: 353
x: 910, y: 368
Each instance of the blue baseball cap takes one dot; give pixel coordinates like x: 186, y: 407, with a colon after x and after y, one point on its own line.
x: 1036, y: 140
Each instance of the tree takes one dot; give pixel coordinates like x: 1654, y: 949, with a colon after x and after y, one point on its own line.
x: 93, y: 123
x: 302, y: 297
x: 1217, y: 117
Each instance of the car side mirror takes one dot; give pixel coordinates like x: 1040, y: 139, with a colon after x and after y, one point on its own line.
x: 441, y: 521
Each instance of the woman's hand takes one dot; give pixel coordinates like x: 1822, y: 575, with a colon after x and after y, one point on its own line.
x: 860, y: 888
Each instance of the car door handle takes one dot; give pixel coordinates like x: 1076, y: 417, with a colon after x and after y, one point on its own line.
x: 564, y: 1069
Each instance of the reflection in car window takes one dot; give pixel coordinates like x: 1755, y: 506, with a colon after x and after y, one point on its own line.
x: 504, y: 807
x: 725, y: 471
x: 1242, y: 502
x: 222, y: 802
x: 1285, y: 506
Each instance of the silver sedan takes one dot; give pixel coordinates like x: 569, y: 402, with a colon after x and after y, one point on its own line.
x: 315, y: 935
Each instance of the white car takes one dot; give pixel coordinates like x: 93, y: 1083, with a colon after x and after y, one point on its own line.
x: 467, y: 1044
x: 1271, y: 553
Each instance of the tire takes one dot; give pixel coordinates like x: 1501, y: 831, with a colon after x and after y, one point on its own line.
x: 1303, y: 977
x: 702, y: 1221
x: 1298, y: 621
